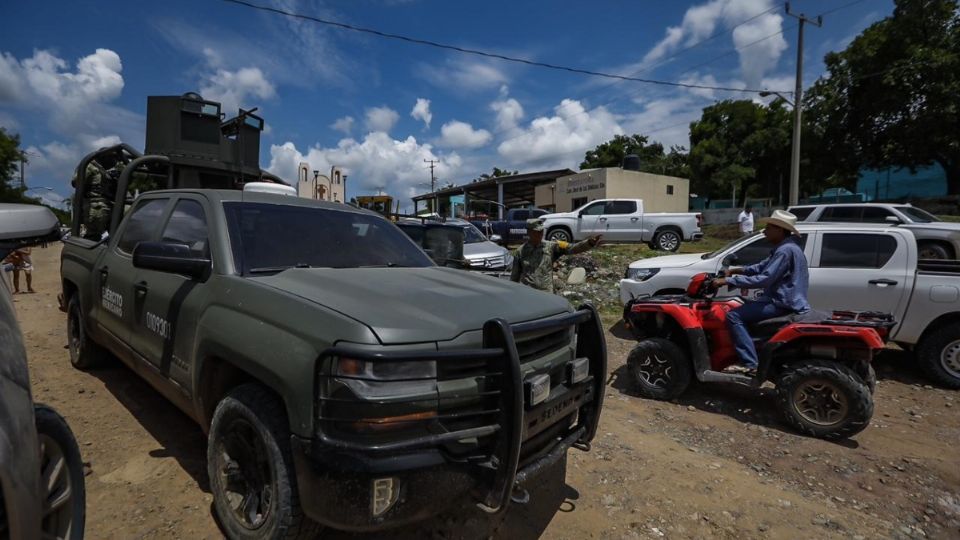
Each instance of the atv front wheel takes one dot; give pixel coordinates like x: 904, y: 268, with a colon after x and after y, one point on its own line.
x: 824, y: 399
x: 660, y: 369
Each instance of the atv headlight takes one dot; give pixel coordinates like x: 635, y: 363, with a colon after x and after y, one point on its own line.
x: 641, y: 274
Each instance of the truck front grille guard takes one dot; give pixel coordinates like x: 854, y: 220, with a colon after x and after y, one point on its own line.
x: 502, y: 361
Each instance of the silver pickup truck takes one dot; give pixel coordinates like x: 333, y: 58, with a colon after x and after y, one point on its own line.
x: 624, y: 220
x: 854, y: 267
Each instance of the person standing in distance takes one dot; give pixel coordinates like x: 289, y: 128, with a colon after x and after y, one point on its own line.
x: 745, y: 219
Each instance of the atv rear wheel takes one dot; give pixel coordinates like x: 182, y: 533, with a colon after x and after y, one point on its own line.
x: 824, y: 399
x: 660, y: 369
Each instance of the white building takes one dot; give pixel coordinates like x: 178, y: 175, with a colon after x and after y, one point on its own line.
x: 313, y: 185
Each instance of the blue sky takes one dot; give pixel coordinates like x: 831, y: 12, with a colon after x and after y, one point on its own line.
x: 75, y: 75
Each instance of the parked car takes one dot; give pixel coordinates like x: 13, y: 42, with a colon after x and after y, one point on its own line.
x: 344, y: 379
x: 482, y: 253
x: 42, y: 492
x: 513, y: 228
x: 936, y: 239
x: 852, y: 267
x: 624, y: 220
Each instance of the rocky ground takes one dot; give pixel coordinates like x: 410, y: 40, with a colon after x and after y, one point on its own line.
x: 717, y: 463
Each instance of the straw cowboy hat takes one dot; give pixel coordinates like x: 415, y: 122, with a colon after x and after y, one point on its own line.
x: 782, y: 219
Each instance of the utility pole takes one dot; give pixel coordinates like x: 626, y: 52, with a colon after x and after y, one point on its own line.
x: 797, y: 106
x: 433, y: 179
x: 23, y: 183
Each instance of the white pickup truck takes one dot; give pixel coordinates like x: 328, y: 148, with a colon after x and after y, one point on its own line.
x: 623, y: 220
x: 852, y: 267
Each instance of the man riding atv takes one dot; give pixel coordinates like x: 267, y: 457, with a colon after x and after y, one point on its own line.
x: 784, y: 278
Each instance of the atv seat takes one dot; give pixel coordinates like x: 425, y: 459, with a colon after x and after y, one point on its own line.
x: 769, y: 327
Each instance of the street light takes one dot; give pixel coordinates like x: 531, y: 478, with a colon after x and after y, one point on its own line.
x: 795, y: 147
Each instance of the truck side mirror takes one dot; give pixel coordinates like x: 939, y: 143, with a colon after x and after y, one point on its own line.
x: 496, y: 238
x: 893, y: 220
x: 730, y: 260
x: 172, y: 258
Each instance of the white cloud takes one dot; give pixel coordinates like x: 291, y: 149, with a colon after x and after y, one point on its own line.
x: 344, y: 125
x: 560, y: 140
x: 45, y: 76
x: 509, y: 113
x: 421, y: 111
x: 457, y: 134
x: 459, y: 75
x: 377, y: 161
x: 381, y: 118
x: 234, y: 88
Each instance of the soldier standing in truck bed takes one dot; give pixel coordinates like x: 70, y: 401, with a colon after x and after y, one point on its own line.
x: 533, y: 261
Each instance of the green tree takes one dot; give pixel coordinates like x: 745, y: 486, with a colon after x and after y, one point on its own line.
x: 10, y: 158
x: 890, y: 99
x: 496, y: 173
x: 740, y: 144
x: 612, y: 152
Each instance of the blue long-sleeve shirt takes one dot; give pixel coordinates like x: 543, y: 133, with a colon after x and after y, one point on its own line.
x: 783, y: 276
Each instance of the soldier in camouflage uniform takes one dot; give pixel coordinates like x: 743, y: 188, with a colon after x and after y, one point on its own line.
x: 100, y: 188
x: 533, y: 261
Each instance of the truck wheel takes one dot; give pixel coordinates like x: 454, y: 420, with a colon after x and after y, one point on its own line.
x: 824, y: 399
x: 660, y: 369
x: 61, y: 468
x: 939, y: 355
x: 251, y: 469
x: 84, y: 353
x: 932, y: 250
x: 559, y: 235
x: 668, y: 240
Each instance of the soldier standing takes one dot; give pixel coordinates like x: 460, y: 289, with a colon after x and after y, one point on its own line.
x: 533, y: 261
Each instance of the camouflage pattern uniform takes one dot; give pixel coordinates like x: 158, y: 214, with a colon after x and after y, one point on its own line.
x: 533, y: 266
x: 99, y: 189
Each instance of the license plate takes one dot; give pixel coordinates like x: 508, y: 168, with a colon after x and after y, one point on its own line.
x: 548, y: 414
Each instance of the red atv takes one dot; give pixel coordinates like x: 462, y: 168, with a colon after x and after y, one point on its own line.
x: 820, y: 363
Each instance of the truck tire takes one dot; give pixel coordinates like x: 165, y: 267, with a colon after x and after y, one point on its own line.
x: 248, y: 454
x: 559, y: 234
x: 667, y: 240
x: 84, y: 353
x: 939, y: 355
x: 824, y: 399
x: 932, y: 250
x: 660, y: 369
x: 61, y: 467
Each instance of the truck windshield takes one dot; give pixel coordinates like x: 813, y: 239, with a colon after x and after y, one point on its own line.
x: 269, y: 238
x: 472, y: 235
x: 917, y: 215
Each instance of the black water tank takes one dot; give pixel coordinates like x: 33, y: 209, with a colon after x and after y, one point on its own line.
x: 631, y: 162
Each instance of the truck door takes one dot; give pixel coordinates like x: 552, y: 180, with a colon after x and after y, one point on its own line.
x: 860, y: 271
x: 164, y: 314
x: 620, y: 222
x: 589, y: 220
x: 114, y: 273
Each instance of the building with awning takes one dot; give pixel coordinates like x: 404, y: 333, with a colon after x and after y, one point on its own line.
x: 491, y: 195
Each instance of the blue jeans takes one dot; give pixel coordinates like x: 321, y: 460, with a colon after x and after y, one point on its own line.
x: 749, y: 313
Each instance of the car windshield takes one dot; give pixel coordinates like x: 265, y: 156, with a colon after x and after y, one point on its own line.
x: 472, y: 235
x: 731, y: 245
x: 917, y: 215
x: 268, y: 238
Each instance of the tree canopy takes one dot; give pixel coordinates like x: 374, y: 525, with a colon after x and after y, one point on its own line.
x: 10, y: 158
x: 652, y: 157
x: 496, y: 173
x: 890, y: 99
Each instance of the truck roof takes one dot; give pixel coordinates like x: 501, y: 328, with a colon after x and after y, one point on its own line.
x: 227, y: 195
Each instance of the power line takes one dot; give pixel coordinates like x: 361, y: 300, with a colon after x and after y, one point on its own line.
x: 486, y: 54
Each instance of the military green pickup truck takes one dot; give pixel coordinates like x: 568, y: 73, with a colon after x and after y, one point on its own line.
x: 344, y: 379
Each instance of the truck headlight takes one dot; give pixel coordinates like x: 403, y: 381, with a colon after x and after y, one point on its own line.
x: 640, y: 274
x: 385, y: 370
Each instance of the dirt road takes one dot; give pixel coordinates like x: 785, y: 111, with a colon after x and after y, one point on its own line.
x: 717, y: 463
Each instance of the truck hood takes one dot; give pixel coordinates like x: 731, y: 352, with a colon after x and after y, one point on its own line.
x: 668, y: 261
x: 416, y: 305
x: 559, y: 215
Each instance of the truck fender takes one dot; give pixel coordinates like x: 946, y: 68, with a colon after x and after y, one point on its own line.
x: 261, y: 352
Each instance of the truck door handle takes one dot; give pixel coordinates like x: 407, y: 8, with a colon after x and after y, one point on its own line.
x: 104, y: 272
x: 141, y: 288
x: 603, y: 219
x: 634, y: 219
x: 882, y: 282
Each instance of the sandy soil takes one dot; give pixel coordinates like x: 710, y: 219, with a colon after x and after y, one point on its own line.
x: 717, y: 463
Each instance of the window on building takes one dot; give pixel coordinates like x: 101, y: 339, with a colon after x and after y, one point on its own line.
x: 669, y: 189
x: 856, y: 250
x: 578, y: 202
